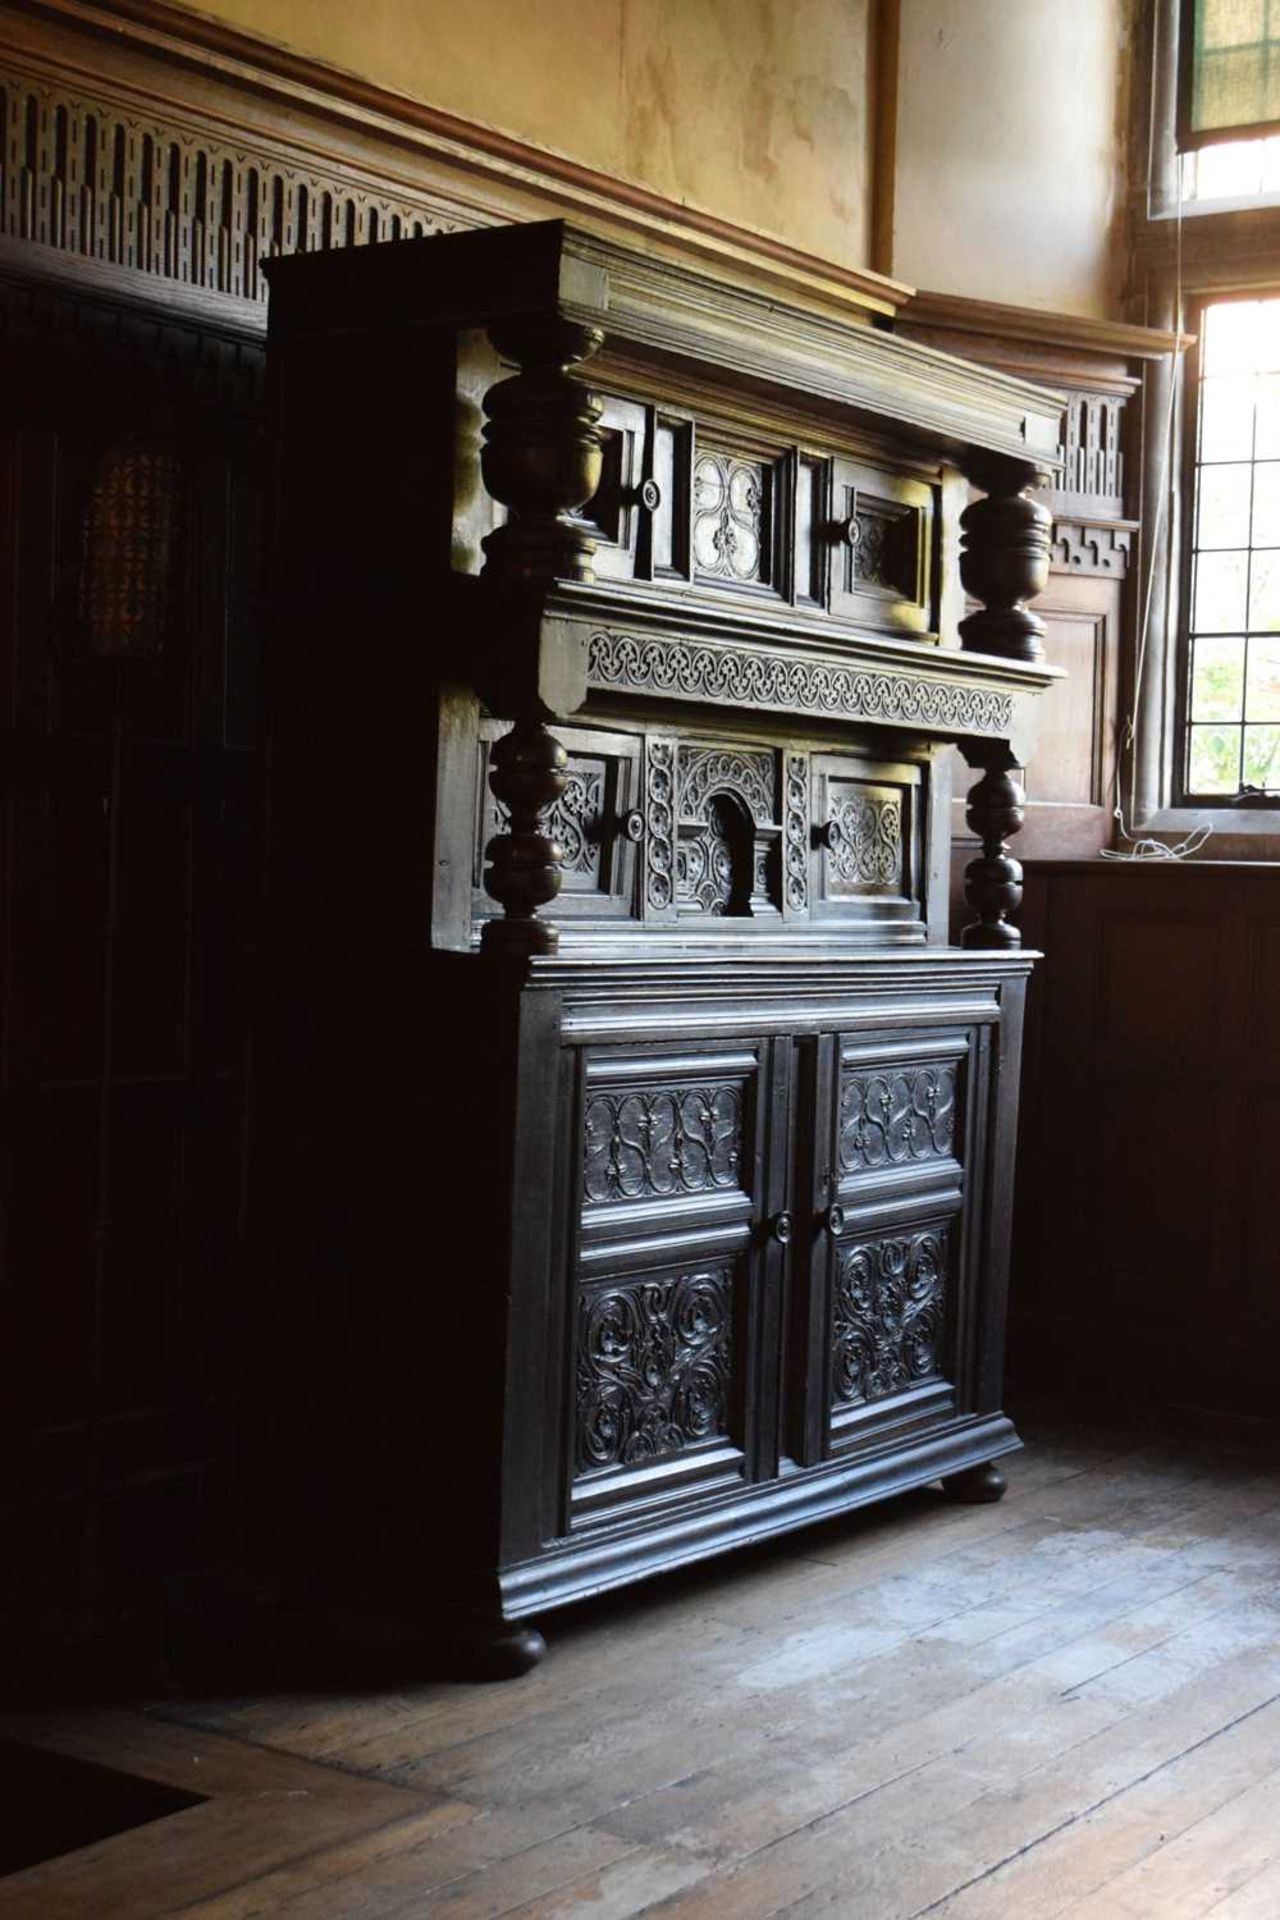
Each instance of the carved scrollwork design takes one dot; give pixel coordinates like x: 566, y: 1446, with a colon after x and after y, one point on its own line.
x: 796, y: 833
x: 784, y: 683
x: 657, y: 1142
x: 653, y: 1368
x: 863, y: 839
x: 659, y: 824
x: 894, y: 1116
x: 888, y: 1316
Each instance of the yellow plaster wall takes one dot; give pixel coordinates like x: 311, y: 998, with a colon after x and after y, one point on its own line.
x: 1009, y: 178
x: 754, y: 109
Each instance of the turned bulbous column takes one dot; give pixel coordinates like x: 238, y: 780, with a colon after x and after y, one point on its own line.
x: 1004, y: 562
x: 542, y: 454
x: 542, y: 459
x: 527, y: 773
x: 993, y: 881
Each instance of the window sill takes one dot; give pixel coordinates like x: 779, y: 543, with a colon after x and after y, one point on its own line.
x: 1239, y: 833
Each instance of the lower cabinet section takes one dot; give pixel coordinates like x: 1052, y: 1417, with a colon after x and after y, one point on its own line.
x: 779, y: 1273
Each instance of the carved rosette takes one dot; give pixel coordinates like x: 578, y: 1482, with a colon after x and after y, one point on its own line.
x: 993, y: 882
x: 1004, y: 561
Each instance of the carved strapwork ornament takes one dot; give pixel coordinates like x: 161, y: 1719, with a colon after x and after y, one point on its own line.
x: 542, y: 455
x: 993, y: 881
x: 1004, y: 560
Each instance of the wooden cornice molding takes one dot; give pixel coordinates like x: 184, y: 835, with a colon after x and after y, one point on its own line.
x: 498, y: 166
x: 957, y: 313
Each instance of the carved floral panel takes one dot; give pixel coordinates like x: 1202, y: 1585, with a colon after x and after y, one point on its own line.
x: 896, y: 1116
x: 659, y: 1142
x: 888, y: 1315
x: 653, y: 1368
x: 576, y: 821
x: 730, y: 517
x: 864, y: 841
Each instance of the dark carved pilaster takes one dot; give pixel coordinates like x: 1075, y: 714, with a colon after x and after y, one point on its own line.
x: 1004, y: 561
x: 993, y: 882
x: 541, y: 459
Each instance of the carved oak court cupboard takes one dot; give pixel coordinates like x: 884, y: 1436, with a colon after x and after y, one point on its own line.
x: 634, y: 1158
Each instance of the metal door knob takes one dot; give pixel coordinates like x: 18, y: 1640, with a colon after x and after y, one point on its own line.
x: 781, y: 1228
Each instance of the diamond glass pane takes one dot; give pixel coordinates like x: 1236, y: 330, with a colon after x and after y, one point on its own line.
x: 1221, y: 592
x: 1263, y: 694
x: 1266, y: 505
x: 1214, y: 760
x: 1262, y: 756
x: 1226, y: 418
x: 1264, y: 592
x: 1222, y: 513
x: 1217, y: 679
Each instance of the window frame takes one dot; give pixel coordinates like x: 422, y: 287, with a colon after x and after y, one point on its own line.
x: 1189, y: 140
x: 1214, y: 252
x: 1183, y: 794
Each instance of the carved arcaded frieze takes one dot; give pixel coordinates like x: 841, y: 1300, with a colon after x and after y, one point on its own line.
x: 659, y: 1142
x: 896, y: 1116
x: 888, y: 1318
x: 653, y: 1368
x: 1092, y: 549
x: 787, y: 683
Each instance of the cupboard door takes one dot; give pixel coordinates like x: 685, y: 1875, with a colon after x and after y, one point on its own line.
x: 867, y: 856
x: 881, y: 1336
x: 673, y: 1274
x: 882, y: 568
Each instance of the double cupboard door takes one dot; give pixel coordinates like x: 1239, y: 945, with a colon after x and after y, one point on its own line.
x: 769, y: 1264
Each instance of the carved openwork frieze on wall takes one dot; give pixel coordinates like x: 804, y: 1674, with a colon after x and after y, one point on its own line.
x: 889, y: 1315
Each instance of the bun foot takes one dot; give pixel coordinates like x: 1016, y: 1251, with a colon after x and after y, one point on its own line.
x: 504, y: 1654
x: 976, y: 1486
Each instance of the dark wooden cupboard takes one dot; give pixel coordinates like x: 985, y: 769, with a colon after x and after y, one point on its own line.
x: 634, y: 1152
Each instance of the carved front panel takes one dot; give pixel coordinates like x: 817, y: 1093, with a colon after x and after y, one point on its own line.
x: 658, y: 1142
x: 732, y: 518
x: 896, y: 1116
x: 883, y: 525
x: 867, y: 839
x: 597, y: 822
x: 653, y: 1367
x: 889, y: 1315
x: 864, y: 840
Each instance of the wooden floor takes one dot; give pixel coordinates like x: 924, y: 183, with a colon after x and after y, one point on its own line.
x: 1067, y: 1704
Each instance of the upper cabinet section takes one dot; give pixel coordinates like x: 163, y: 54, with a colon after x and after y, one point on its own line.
x: 686, y: 504
x: 632, y: 426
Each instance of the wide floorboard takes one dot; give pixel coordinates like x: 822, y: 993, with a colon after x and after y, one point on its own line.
x: 1064, y: 1705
